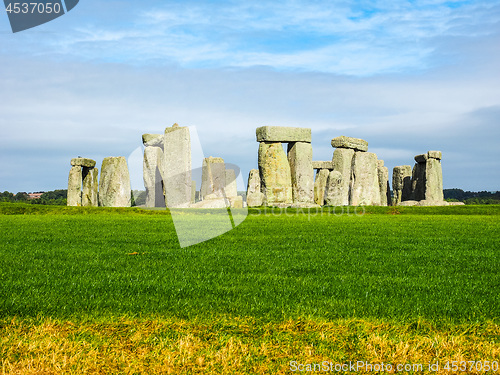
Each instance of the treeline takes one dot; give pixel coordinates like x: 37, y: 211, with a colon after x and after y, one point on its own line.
x: 55, y: 197
x: 472, y: 197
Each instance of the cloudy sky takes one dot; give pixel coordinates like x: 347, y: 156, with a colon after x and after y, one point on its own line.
x: 407, y: 76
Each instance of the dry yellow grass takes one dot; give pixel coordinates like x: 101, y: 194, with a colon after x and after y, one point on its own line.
x: 227, y: 345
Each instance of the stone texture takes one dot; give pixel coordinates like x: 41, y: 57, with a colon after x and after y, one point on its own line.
x: 364, y: 181
x: 429, y: 202
x: 320, y: 186
x: 83, y: 162
x: 90, y: 187
x: 75, y: 186
x: 177, y: 166
x: 213, y: 177
x: 421, y: 158
x: 433, y: 180
x: 408, y: 203
x: 275, y: 176
x: 231, y: 186
x: 383, y: 183
x: 253, y: 185
x: 154, y: 140
x: 255, y: 199
x: 456, y: 204
x: 322, y: 165
x: 153, y: 176
x: 302, y: 172
x: 114, y: 183
x: 215, y: 202
x: 418, y: 182
x: 283, y: 134
x: 236, y: 201
x: 434, y: 155
x: 334, y: 189
x: 342, y: 162
x: 401, y: 184
x: 350, y: 143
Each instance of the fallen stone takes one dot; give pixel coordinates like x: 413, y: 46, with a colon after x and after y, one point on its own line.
x: 153, y: 140
x: 74, y: 197
x: 401, y: 184
x: 83, y: 162
x: 320, y: 186
x: 283, y: 134
x: 334, y: 189
x: 408, y: 203
x: 350, y: 143
x: 342, y: 162
x: 456, y: 204
x: 212, y: 203
x: 231, y: 186
x: 90, y: 187
x: 255, y: 199
x: 322, y: 165
x: 434, y: 155
x: 427, y: 202
x: 276, y: 180
x: 114, y: 183
x: 364, y: 183
x: 302, y: 172
x: 177, y: 167
x: 152, y: 169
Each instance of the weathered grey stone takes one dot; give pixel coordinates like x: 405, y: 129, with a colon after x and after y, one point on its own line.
x: 302, y: 172
x: 154, y: 140
x: 320, y: 186
x: 177, y: 166
x: 334, y: 189
x: 153, y: 170
x: 75, y: 186
x: 215, y: 202
x: 383, y: 183
x: 83, y: 162
x: 418, y: 182
x: 350, y: 143
x: 364, y: 182
x: 342, y: 162
x: 231, y: 186
x: 213, y: 177
x: 322, y: 165
x: 433, y: 180
x: 434, y: 155
x: 429, y: 202
x: 89, y: 187
x: 401, y: 184
x: 283, y: 134
x: 253, y: 182
x: 456, y: 204
x: 275, y: 176
x: 408, y: 203
x: 236, y: 201
x: 422, y: 158
x: 255, y: 199
x: 114, y: 183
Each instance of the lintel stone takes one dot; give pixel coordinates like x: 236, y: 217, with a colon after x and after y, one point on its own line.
x: 83, y: 162
x: 283, y: 134
x: 351, y: 143
x: 421, y: 158
x: 322, y: 165
x: 434, y: 155
x: 152, y: 140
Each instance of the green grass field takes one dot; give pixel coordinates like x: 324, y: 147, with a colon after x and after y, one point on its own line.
x: 433, y: 267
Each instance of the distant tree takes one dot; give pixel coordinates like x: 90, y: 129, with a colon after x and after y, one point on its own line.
x: 21, y: 196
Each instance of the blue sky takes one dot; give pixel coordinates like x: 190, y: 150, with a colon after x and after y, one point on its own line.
x: 407, y: 76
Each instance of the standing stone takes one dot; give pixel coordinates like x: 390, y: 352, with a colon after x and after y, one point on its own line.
x: 401, y: 184
x: 342, y: 162
x: 75, y: 186
x: 355, y: 144
x: 213, y: 178
x: 334, y: 189
x: 255, y: 197
x: 114, y: 184
x: 383, y: 183
x: 433, y: 180
x: 418, y: 181
x: 177, y: 166
x: 320, y: 186
x: 231, y: 186
x: 90, y: 186
x: 152, y: 174
x: 300, y: 160
x: 276, y: 180
x: 364, y: 182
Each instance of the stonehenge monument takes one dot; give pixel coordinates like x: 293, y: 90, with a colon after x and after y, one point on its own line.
x: 401, y: 184
x: 114, y: 183
x: 82, y: 183
x: 255, y: 197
